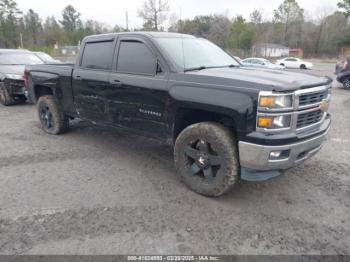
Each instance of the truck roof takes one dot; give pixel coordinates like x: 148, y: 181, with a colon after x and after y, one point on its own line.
x: 147, y: 34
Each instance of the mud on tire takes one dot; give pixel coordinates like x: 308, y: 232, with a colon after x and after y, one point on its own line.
x: 206, y: 158
x: 52, y: 119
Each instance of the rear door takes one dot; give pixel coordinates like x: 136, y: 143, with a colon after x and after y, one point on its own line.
x: 90, y: 79
x: 291, y: 63
x: 261, y: 63
x: 248, y: 62
x: 258, y: 63
x: 140, y: 96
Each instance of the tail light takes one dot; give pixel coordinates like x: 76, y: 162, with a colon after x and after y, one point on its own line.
x: 26, y: 79
x: 345, y: 64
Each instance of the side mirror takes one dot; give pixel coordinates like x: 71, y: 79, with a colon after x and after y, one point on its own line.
x: 159, y: 68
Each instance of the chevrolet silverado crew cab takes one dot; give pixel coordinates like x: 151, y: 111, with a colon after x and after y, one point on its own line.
x: 225, y: 122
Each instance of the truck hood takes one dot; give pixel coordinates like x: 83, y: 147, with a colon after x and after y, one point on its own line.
x: 262, y: 79
x: 12, y: 69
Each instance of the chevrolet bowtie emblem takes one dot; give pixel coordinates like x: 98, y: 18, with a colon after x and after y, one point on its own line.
x: 324, y: 105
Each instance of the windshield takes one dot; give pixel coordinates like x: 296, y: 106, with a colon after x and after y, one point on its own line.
x: 45, y: 57
x: 19, y: 59
x: 188, y: 53
x: 267, y: 62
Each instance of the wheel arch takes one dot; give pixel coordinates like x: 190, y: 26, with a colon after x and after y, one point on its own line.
x: 42, y: 83
x: 230, y: 106
x: 187, y: 116
x: 40, y: 90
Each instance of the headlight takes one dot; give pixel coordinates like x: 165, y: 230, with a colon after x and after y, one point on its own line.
x: 14, y: 76
x: 275, y: 101
x: 274, y: 122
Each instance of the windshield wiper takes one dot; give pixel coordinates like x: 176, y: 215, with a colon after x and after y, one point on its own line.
x: 232, y: 65
x: 198, y: 68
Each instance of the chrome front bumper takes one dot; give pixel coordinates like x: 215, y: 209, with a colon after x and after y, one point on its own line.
x: 257, y: 157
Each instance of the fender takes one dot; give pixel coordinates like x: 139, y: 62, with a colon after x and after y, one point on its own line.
x: 48, y: 80
x: 240, y: 106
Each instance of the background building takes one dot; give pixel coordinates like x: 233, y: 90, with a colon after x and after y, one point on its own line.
x: 270, y: 50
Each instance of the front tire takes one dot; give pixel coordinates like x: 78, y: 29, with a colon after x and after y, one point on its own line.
x: 52, y: 119
x: 302, y: 66
x: 5, y: 98
x: 206, y: 158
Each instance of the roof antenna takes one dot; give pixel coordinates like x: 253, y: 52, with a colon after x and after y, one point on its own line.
x: 183, y: 52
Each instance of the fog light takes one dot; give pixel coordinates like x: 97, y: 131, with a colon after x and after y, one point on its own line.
x: 275, y: 154
x: 279, y: 155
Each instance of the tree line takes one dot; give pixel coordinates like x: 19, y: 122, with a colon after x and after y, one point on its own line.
x: 324, y: 34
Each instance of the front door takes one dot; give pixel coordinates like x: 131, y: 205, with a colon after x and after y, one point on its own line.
x: 140, y: 96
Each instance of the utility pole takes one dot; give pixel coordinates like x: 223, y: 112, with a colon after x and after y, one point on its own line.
x: 21, y: 38
x: 127, y: 20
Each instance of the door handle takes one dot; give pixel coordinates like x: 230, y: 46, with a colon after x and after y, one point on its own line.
x: 78, y: 78
x: 116, y: 83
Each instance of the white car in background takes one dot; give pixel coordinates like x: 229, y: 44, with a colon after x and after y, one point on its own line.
x: 47, y: 59
x: 237, y: 58
x: 293, y: 62
x: 260, y: 63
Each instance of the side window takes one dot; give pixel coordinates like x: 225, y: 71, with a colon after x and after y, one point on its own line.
x: 135, y: 58
x: 98, y: 55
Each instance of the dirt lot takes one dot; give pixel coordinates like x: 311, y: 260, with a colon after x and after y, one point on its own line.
x: 93, y: 191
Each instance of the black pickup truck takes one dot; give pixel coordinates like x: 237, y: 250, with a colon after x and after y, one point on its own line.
x: 225, y: 122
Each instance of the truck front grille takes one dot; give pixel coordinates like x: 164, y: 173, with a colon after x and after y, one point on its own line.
x: 309, y: 118
x: 312, y: 98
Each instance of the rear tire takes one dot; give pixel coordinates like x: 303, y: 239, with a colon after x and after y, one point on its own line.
x: 52, y: 118
x: 302, y: 66
x: 346, y: 83
x: 206, y: 159
x: 5, y: 98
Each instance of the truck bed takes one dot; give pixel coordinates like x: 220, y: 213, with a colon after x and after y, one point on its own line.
x: 58, y: 76
x: 60, y: 69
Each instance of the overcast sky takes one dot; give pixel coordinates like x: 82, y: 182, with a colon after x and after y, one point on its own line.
x: 113, y: 12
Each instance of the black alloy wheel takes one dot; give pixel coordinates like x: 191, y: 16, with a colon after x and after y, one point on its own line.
x: 203, y: 160
x: 46, y: 117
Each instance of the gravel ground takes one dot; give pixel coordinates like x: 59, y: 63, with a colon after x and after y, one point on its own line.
x: 93, y: 191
